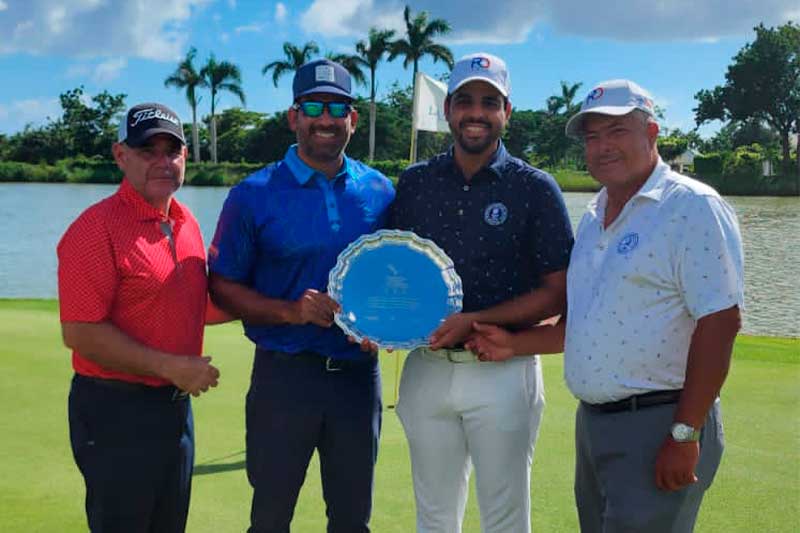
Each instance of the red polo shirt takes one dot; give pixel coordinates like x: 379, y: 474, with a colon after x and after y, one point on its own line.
x: 116, y: 264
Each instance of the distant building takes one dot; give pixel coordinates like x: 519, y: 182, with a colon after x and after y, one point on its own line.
x: 684, y: 160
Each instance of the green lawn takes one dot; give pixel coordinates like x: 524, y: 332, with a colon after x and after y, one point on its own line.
x: 757, y: 488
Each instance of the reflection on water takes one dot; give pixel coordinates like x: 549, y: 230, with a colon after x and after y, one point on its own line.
x: 34, y: 216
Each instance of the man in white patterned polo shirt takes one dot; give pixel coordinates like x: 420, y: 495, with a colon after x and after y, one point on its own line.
x: 654, y: 290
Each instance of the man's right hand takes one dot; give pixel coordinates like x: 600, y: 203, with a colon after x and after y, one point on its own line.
x: 490, y: 342
x: 314, y: 307
x: 190, y: 373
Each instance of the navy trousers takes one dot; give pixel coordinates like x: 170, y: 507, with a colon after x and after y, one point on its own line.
x: 299, y: 403
x: 134, y: 446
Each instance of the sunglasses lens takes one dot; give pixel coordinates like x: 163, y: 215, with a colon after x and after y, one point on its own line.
x: 312, y: 109
x: 338, y: 109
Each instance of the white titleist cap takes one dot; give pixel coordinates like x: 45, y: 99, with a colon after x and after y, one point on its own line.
x: 612, y: 97
x: 480, y: 67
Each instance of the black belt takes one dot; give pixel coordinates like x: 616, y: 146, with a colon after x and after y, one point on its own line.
x: 168, y: 391
x: 331, y: 364
x: 638, y: 401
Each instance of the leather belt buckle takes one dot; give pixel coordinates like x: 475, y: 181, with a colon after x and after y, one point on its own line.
x: 330, y: 365
x: 460, y: 356
x: 178, y: 395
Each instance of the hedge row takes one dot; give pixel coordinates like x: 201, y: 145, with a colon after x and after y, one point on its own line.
x: 86, y: 170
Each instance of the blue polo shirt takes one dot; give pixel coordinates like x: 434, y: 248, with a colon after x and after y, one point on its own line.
x: 504, y: 229
x: 280, y: 232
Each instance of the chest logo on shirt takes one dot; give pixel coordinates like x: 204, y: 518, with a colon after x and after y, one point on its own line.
x: 495, y: 214
x: 628, y: 243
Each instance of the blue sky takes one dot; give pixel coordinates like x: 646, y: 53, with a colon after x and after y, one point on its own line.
x: 671, y: 47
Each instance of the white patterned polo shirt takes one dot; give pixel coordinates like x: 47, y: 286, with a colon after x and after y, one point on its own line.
x: 636, y: 289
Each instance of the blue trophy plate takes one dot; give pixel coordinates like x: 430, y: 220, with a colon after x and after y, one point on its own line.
x: 395, y: 288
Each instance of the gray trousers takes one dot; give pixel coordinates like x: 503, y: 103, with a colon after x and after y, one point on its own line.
x: 615, y: 489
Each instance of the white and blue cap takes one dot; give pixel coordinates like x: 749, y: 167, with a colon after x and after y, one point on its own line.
x: 322, y: 76
x: 142, y: 121
x: 480, y: 67
x: 612, y: 97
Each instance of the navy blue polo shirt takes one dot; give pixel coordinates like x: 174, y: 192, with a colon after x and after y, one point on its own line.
x: 504, y: 229
x: 280, y: 232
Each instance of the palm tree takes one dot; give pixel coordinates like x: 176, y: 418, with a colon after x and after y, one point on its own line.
x: 187, y: 77
x: 370, y: 53
x: 352, y: 64
x: 417, y: 44
x: 220, y: 76
x: 419, y: 41
x: 295, y: 58
x: 565, y: 100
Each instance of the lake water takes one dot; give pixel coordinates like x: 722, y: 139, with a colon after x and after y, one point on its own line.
x: 34, y: 216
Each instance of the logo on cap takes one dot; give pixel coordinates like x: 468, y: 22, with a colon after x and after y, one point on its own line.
x: 643, y: 101
x: 480, y: 62
x: 151, y: 113
x: 324, y: 73
x: 596, y: 94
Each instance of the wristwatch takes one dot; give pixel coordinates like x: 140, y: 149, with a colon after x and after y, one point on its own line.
x: 684, y: 433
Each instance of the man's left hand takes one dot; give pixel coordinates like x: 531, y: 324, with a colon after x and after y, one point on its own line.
x: 454, y: 330
x: 675, y: 464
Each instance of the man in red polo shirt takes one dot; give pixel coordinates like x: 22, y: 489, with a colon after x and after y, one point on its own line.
x: 132, y: 293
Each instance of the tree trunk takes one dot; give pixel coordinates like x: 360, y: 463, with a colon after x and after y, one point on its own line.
x: 787, y: 158
x: 213, y: 139
x: 372, y: 130
x: 797, y: 154
x: 195, y: 136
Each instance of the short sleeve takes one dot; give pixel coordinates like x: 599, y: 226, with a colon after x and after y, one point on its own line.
x: 711, y: 265
x: 551, y: 239
x: 87, y: 271
x: 233, y: 249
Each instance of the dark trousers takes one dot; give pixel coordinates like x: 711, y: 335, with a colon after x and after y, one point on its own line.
x: 134, y: 446
x: 615, y: 488
x: 299, y: 403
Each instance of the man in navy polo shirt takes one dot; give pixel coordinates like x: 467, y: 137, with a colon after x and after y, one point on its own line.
x: 278, y: 236
x: 505, y: 226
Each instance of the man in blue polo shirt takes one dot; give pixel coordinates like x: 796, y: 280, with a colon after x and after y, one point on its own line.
x: 505, y: 226
x: 278, y: 236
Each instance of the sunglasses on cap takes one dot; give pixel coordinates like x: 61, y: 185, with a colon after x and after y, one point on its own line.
x: 313, y: 109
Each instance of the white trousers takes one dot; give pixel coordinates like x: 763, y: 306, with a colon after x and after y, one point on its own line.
x: 462, y: 415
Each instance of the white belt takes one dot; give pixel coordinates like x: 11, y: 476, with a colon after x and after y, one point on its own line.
x: 454, y: 356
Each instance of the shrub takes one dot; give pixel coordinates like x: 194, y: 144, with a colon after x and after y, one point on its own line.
x: 708, y: 164
x: 12, y: 171
x: 391, y: 167
x: 745, y: 162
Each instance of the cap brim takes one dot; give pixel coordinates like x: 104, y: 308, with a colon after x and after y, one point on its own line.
x: 135, y: 143
x: 325, y: 89
x: 573, y: 127
x: 493, y: 83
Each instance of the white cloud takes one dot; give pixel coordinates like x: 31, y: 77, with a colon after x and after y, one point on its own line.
x: 250, y: 28
x: 511, y: 21
x: 109, y: 70
x: 152, y: 29
x: 281, y: 12
x: 702, y: 20
x: 3, y: 5
x: 78, y: 71
x: 15, y: 115
x: 232, y: 4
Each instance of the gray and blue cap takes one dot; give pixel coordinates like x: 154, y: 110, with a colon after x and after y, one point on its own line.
x: 322, y: 76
